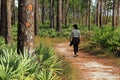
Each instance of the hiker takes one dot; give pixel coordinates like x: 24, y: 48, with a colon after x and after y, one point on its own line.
x: 75, y: 39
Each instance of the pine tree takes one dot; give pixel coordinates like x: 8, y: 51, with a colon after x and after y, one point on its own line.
x: 26, y: 26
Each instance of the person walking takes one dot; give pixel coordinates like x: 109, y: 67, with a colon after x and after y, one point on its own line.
x: 75, y: 37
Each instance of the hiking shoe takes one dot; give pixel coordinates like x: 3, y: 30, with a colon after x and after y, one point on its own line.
x: 75, y: 55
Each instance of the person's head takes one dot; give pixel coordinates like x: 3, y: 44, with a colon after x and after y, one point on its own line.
x: 75, y: 26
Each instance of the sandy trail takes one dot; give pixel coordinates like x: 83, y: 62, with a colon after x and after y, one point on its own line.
x: 90, y: 67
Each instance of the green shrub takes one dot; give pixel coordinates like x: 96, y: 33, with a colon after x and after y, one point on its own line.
x: 114, y: 41
x: 107, y: 38
x: 14, y: 66
x: 43, y: 66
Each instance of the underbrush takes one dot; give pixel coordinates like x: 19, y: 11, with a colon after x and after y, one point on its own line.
x: 102, y: 42
x: 45, y: 65
x: 107, y: 39
x: 53, y: 33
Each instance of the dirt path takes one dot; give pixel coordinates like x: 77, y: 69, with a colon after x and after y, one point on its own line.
x: 91, y: 68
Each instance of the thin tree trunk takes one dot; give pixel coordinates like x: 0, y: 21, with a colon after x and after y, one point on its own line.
x: 118, y: 14
x: 107, y: 15
x: 3, y: 16
x: 36, y: 17
x: 52, y: 14
x: 26, y: 26
x: 114, y: 14
x: 43, y: 11
x: 101, y: 12
x: 59, y: 15
x: 63, y: 12
x: 82, y: 14
x: 66, y: 12
x: 98, y: 13
x: 89, y: 21
x: 6, y: 20
x: 73, y: 12
x: 87, y: 13
x: 13, y: 12
x: 79, y: 13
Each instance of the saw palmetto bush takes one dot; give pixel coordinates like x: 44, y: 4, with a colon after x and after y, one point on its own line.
x: 114, y: 41
x: 43, y: 66
x: 49, y: 63
x: 14, y: 66
x: 107, y: 38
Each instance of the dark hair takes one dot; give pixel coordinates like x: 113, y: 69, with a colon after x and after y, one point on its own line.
x: 75, y: 26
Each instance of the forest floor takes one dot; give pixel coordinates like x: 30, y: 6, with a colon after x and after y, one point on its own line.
x: 89, y: 66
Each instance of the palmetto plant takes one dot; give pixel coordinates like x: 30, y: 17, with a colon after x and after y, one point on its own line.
x: 14, y: 66
x: 49, y: 64
x: 114, y: 41
x: 44, y: 66
x: 107, y: 39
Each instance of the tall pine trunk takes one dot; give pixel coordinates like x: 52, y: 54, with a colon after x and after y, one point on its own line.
x: 89, y: 15
x: 6, y: 20
x: 118, y: 14
x: 36, y: 17
x: 107, y: 14
x: 66, y: 12
x: 43, y: 11
x: 63, y: 12
x: 73, y: 12
x: 59, y: 15
x: 98, y: 13
x: 101, y: 12
x: 3, y: 15
x: 26, y: 26
x: 52, y: 14
x: 114, y: 22
x: 13, y: 12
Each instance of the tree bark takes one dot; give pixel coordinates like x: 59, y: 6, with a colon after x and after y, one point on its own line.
x: 118, y: 14
x: 3, y: 16
x: 26, y: 26
x: 114, y: 22
x: 43, y: 11
x: 13, y: 12
x: 66, y: 12
x: 79, y: 12
x: 89, y: 15
x: 6, y: 20
x: 107, y: 14
x: 52, y: 14
x: 101, y: 12
x: 36, y: 17
x: 98, y: 13
x: 73, y: 12
x: 63, y: 12
x: 59, y: 15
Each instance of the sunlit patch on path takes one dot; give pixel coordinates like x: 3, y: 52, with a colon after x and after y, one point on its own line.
x: 90, y: 67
